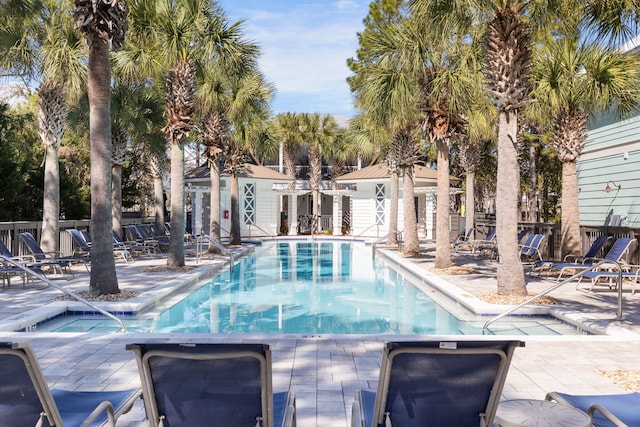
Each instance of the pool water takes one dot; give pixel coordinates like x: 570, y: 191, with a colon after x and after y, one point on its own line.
x: 308, y: 287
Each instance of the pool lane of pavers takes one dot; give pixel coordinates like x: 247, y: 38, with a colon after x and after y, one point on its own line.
x: 325, y: 371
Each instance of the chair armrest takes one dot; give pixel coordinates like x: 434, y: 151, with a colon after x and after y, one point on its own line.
x: 608, y: 415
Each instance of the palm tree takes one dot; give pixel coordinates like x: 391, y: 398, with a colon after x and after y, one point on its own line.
x: 215, y: 100
x: 104, y: 23
x: 135, y: 118
x: 481, y: 128
x: 388, y: 94
x: 573, y: 81
x: 319, y: 132
x: 39, y: 41
x: 249, y: 117
x: 508, y: 59
x: 288, y: 132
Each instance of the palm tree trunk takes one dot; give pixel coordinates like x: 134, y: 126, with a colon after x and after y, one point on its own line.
x: 510, y: 272
x: 158, y: 202
x: 393, y: 209
x: 532, y: 214
x: 443, y: 244
x: 411, y: 243
x: 51, y: 200
x: 116, y: 197
x: 175, y: 257
x: 214, y: 209
x: 103, y: 278
x: 234, y: 234
x: 470, y: 205
x: 570, y: 227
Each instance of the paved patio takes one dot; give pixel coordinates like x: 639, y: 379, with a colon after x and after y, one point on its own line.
x: 324, y: 371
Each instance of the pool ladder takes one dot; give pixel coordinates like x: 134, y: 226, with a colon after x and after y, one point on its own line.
x: 485, y: 328
x: 75, y: 296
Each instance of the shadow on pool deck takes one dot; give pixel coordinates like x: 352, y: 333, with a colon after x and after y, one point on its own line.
x: 324, y: 371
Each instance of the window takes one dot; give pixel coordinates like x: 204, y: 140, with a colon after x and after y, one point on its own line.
x: 249, y: 204
x: 379, y: 204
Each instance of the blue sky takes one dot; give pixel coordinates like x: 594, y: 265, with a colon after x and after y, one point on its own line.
x: 304, y: 45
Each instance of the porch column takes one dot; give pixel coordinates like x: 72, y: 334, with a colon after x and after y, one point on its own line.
x: 429, y: 210
x: 293, y: 215
x: 337, y: 215
x: 196, y: 213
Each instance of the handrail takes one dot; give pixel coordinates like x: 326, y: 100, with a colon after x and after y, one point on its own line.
x: 60, y: 288
x: 217, y: 244
x: 382, y: 239
x: 564, y: 282
x: 258, y: 227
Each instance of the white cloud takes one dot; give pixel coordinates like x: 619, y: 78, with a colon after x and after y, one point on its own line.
x: 305, y: 46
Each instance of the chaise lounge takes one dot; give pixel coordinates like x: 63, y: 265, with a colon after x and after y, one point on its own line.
x: 217, y: 385
x: 27, y: 401
x: 436, y: 383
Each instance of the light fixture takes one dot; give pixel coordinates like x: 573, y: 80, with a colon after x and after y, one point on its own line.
x: 608, y: 188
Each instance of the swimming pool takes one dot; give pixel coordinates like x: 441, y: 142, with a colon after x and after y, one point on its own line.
x: 309, y: 288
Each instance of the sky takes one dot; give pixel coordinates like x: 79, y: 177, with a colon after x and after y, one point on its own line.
x: 305, y: 45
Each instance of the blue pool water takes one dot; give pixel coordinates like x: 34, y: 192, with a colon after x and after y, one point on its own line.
x: 308, y: 287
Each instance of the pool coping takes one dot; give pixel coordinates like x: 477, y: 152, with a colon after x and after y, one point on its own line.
x: 482, y: 308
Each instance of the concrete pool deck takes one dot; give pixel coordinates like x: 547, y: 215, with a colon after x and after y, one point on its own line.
x: 324, y: 371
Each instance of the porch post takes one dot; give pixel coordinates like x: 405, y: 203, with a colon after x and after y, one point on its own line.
x: 429, y: 210
x: 337, y: 215
x: 293, y: 215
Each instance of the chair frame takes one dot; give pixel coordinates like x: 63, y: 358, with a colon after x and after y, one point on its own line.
x: 261, y: 352
x: 393, y: 349
x: 50, y: 408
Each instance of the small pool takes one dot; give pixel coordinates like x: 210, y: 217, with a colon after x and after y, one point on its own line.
x: 307, y: 287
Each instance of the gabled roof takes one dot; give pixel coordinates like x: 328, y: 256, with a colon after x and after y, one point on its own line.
x: 379, y: 171
x: 250, y: 171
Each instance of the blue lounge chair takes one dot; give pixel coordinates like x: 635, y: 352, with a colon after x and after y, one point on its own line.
x: 486, y: 245
x: 605, y: 410
x: 462, y: 240
x: 609, y: 277
x: 615, y: 254
x: 52, y: 260
x: 587, y: 258
x: 211, y: 384
x: 132, y: 246
x: 27, y: 401
x: 134, y: 234
x: 7, y: 271
x: 530, y: 250
x: 82, y: 247
x: 436, y: 383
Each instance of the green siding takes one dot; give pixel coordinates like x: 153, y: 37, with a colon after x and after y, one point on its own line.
x: 594, y: 173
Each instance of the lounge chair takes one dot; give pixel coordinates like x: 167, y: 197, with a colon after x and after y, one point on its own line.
x: 52, y: 260
x: 82, y: 248
x: 610, y: 277
x: 463, y: 240
x: 436, y: 383
x: 132, y: 246
x: 619, y: 410
x: 615, y: 254
x: 587, y: 258
x: 530, y: 250
x: 211, y: 384
x: 7, y: 270
x: 486, y: 245
x: 27, y: 401
x: 134, y: 234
